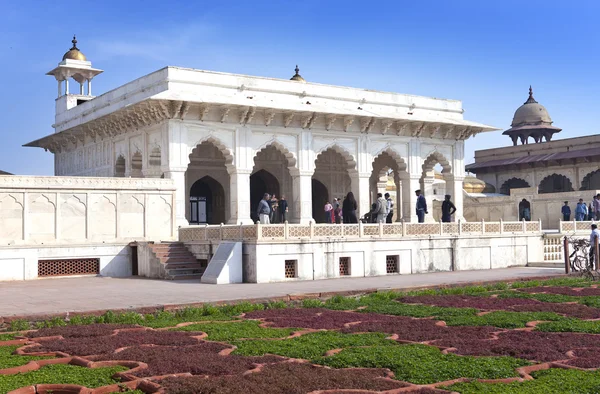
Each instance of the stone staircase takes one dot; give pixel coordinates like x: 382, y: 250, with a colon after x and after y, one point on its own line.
x: 177, y: 260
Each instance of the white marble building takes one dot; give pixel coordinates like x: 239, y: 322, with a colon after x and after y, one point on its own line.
x: 225, y: 139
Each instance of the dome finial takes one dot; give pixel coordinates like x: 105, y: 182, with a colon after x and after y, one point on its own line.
x: 530, y: 100
x: 74, y: 41
x: 297, y: 76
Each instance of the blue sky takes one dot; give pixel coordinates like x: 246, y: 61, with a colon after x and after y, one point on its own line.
x: 485, y: 53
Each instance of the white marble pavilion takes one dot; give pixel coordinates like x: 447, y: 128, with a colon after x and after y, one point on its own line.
x: 226, y: 139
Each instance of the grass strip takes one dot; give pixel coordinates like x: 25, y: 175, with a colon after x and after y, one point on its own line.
x: 502, y: 319
x: 571, y: 325
x: 421, y: 364
x: 237, y: 330
x: 550, y: 381
x: 9, y: 360
x: 310, y: 346
x: 61, y: 374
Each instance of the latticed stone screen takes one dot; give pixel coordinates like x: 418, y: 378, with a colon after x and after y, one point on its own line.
x: 290, y: 268
x: 68, y: 267
x: 344, y: 266
x: 391, y: 264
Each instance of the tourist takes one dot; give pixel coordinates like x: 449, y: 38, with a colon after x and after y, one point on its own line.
x: 349, y: 209
x: 590, y: 215
x: 283, y: 209
x: 390, y: 207
x: 371, y: 217
x: 597, y: 206
x: 274, y: 208
x: 524, y: 210
x: 382, y: 208
x: 337, y: 211
x: 328, y: 212
x: 594, y: 236
x: 566, y: 212
x: 421, y: 206
x: 448, y: 209
x: 264, y: 210
x: 581, y: 211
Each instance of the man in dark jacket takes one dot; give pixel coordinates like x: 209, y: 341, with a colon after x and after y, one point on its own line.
x: 421, y: 206
x: 448, y: 209
x: 566, y: 212
x: 283, y: 209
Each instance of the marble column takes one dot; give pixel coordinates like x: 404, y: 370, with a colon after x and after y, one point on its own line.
x: 454, y: 187
x: 409, y: 197
x: 239, y: 187
x: 427, y: 190
x: 302, y: 204
x: 360, y: 189
x: 178, y: 176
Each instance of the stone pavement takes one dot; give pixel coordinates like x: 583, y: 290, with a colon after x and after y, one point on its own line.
x: 55, y: 296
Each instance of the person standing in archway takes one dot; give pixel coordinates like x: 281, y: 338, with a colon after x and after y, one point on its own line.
x: 328, y: 212
x: 581, y: 211
x: 274, y: 208
x: 566, y: 212
x: 349, y: 209
x: 390, y: 208
x: 448, y: 209
x: 264, y: 210
x: 283, y: 209
x: 421, y: 206
x: 381, y: 210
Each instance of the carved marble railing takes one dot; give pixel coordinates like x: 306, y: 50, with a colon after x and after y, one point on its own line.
x: 576, y: 227
x: 348, y: 231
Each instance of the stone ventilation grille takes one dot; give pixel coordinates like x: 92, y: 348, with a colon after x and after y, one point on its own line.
x: 290, y: 268
x: 68, y: 267
x: 344, y: 266
x: 391, y: 264
x: 553, y: 250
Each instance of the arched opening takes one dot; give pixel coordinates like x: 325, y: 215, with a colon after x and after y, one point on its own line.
x: 320, y: 196
x: 207, y: 202
x: 388, y: 172
x: 524, y: 210
x: 261, y: 182
x: 333, y: 169
x: 271, y: 174
x: 555, y: 183
x: 436, y: 175
x: 120, y: 167
x: 207, y: 177
x: 591, y: 181
x: 136, y: 165
x: 513, y: 183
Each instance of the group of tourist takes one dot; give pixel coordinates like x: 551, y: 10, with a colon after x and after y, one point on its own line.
x: 583, y: 212
x: 272, y: 210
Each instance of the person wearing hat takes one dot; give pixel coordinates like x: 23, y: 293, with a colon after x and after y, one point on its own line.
x: 421, y: 206
x: 566, y: 212
x: 448, y: 209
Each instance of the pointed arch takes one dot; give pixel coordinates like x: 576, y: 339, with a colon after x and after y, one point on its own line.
x: 513, y: 183
x: 280, y: 147
x: 591, y: 181
x: 434, y: 158
x: 350, y: 159
x: 220, y: 145
x: 555, y: 183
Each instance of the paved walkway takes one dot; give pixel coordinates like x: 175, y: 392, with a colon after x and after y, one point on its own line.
x: 53, y: 296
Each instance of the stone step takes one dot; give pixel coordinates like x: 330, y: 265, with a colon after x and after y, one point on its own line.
x: 547, y: 265
x: 168, y: 248
x: 189, y: 266
x: 185, y: 277
x: 176, y: 253
x: 178, y: 260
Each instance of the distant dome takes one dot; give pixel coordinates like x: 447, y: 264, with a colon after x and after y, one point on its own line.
x: 475, y: 185
x: 74, y: 53
x: 297, y: 76
x: 531, y: 113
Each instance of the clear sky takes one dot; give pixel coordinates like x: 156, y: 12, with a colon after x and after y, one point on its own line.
x: 485, y: 53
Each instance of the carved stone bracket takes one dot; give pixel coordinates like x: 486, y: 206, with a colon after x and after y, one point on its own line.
x: 287, y: 119
x: 329, y: 121
x: 204, y: 108
x: 269, y: 116
x: 348, y: 120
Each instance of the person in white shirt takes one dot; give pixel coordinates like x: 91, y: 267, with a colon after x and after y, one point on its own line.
x: 390, y: 208
x: 595, y: 235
